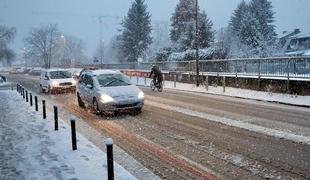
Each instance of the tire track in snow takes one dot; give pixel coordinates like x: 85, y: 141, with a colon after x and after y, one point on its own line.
x: 234, y: 123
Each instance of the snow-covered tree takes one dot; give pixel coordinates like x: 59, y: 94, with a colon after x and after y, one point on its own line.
x: 206, y: 34
x: 6, y: 37
x: 183, y: 27
x: 252, y: 29
x: 41, y: 43
x: 264, y: 15
x: 136, y: 32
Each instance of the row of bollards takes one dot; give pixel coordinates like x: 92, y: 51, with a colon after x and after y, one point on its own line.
x: 109, y: 142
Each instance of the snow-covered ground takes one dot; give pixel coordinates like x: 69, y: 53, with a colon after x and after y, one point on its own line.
x: 233, y: 92
x: 31, y: 149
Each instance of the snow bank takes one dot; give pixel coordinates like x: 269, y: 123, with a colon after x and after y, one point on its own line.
x: 33, y: 150
x: 233, y: 92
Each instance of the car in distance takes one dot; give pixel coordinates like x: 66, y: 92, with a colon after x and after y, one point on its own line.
x: 108, y: 91
x: 57, y: 80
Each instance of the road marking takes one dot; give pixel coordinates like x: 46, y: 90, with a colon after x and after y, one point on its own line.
x: 235, y: 123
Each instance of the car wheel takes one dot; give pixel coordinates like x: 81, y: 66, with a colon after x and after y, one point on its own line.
x: 80, y: 101
x: 137, y: 111
x: 96, y: 107
x: 41, y: 89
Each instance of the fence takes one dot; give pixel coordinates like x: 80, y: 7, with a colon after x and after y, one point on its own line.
x: 288, y: 67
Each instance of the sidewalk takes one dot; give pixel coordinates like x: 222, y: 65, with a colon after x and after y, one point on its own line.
x: 230, y: 91
x: 31, y: 149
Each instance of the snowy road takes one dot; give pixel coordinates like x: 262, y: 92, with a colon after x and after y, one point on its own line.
x: 185, y: 135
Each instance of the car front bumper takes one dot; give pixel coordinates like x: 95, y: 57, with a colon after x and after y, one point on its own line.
x: 114, y: 106
x: 63, y: 88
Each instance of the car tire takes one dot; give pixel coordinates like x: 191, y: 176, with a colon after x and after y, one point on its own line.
x: 80, y: 101
x: 42, y: 90
x: 96, y: 107
x: 137, y: 111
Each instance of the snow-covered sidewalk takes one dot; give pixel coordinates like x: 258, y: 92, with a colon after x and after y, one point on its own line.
x: 31, y: 149
x: 230, y: 91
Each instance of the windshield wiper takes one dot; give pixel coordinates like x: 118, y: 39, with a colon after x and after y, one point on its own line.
x: 114, y: 80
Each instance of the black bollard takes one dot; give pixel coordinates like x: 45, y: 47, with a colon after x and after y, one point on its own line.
x: 73, y: 133
x: 36, y: 102
x: 26, y: 96
x: 24, y: 93
x: 109, y: 144
x: 30, y: 97
x: 44, y: 109
x: 56, y: 117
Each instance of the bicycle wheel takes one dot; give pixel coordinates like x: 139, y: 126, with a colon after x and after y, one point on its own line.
x: 152, y: 85
x: 160, y: 87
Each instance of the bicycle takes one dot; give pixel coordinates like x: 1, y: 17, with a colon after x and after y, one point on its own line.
x: 159, y: 86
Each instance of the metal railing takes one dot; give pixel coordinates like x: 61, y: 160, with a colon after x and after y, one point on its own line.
x: 289, y: 67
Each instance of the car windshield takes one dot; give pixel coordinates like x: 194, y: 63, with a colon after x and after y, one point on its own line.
x: 60, y: 74
x: 107, y: 80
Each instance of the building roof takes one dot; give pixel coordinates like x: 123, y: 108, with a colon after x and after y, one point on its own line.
x: 301, y: 35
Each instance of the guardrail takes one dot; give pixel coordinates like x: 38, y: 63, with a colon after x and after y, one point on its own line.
x: 289, y: 67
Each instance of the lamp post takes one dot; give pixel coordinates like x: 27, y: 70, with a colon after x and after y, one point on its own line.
x: 24, y: 51
x: 197, y: 45
x: 101, y: 53
x: 63, y: 41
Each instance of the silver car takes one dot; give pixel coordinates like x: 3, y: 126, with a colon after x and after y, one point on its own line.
x: 108, y: 91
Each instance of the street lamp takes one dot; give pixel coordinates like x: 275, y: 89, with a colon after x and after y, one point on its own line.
x: 24, y: 51
x: 63, y: 42
x: 101, y: 52
x: 197, y: 46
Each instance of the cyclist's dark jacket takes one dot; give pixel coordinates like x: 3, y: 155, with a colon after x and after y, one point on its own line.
x: 157, y: 74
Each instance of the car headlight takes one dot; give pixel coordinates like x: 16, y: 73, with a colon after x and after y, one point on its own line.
x: 106, y: 98
x: 54, y: 83
x: 141, y: 95
x: 73, y: 82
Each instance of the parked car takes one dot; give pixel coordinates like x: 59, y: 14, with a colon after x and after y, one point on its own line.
x: 108, y: 91
x: 35, y: 72
x: 57, y: 80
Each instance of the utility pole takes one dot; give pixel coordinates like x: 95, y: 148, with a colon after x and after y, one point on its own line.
x: 197, y: 46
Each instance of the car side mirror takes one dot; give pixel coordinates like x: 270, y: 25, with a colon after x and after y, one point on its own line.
x: 89, y: 86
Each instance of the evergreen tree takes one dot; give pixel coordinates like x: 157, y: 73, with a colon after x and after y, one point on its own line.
x: 206, y: 34
x: 183, y: 31
x: 135, y: 37
x: 251, y: 26
x: 238, y: 16
x: 266, y: 36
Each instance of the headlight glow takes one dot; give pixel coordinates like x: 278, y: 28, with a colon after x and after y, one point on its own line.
x: 141, y: 95
x: 55, y: 83
x: 106, y: 98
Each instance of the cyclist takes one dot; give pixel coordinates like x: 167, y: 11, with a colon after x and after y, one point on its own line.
x: 158, y: 76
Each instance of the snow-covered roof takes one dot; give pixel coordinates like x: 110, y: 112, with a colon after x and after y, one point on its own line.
x: 285, y: 34
x: 307, y: 52
x: 303, y: 35
x: 299, y: 53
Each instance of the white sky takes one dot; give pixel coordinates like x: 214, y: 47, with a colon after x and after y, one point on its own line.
x: 74, y: 17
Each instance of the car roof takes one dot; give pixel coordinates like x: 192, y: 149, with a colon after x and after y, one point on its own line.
x: 55, y: 69
x: 101, y: 71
